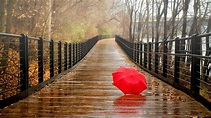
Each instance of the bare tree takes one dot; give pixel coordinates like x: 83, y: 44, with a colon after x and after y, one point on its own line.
x: 208, y: 46
x: 10, y: 6
x: 184, y: 16
x: 141, y: 19
x: 152, y: 21
x: 8, y: 16
x: 176, y: 9
x: 130, y: 8
x: 147, y: 20
x: 194, y: 28
x: 159, y: 13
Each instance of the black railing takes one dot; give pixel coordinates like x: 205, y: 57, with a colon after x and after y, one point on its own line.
x: 27, y: 64
x: 184, y: 63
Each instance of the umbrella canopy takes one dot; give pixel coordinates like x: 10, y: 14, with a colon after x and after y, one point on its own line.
x: 129, y: 80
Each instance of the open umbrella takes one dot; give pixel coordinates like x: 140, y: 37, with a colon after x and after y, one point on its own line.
x: 129, y: 80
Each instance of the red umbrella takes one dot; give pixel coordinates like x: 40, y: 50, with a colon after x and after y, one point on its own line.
x: 129, y: 80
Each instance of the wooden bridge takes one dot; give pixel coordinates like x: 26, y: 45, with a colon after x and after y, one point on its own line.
x: 86, y: 90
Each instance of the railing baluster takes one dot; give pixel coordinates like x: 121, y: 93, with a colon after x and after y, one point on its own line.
x: 131, y: 50
x: 51, y: 58
x: 59, y: 57
x: 195, y: 62
x: 156, y: 57
x: 145, y: 55
x: 65, y: 56
x: 80, y: 51
x: 138, y: 53
x: 70, y: 56
x: 40, y: 60
x: 24, y: 65
x: 164, y: 59
x: 134, y: 52
x: 73, y: 45
x: 150, y: 56
x: 77, y: 53
x: 141, y: 52
x: 177, y: 61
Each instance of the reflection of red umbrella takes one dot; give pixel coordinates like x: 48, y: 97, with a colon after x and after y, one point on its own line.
x: 129, y: 104
x: 129, y: 80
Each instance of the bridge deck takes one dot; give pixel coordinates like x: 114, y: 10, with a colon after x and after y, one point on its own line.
x: 88, y: 91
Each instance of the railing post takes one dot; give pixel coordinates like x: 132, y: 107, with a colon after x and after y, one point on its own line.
x: 51, y: 58
x: 156, y: 57
x: 70, y: 56
x: 135, y: 52
x: 177, y: 61
x: 73, y: 48
x: 141, y: 51
x: 131, y: 50
x: 80, y: 51
x: 164, y: 59
x: 150, y: 56
x: 195, y: 64
x: 145, y: 55
x: 24, y: 66
x: 65, y: 56
x: 85, y: 48
x: 40, y: 60
x: 138, y: 53
x: 59, y: 57
x: 77, y: 53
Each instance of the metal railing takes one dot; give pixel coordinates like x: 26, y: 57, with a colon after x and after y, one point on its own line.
x: 184, y: 63
x: 27, y: 64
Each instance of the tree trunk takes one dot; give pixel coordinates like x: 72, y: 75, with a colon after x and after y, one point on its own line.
x: 165, y: 19
x: 130, y: 27
x: 49, y: 20
x: 3, y: 62
x: 207, y: 69
x: 2, y: 29
x: 185, y: 11
x: 134, y: 28
x: 184, y: 24
x: 2, y: 15
x: 147, y: 19
x: 158, y: 17
x: 152, y: 21
x: 194, y: 28
x: 10, y: 6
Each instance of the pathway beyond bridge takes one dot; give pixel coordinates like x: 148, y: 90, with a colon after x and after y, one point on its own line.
x: 87, y: 91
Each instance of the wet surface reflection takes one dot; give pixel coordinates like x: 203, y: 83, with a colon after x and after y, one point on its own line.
x: 87, y: 91
x: 129, y: 104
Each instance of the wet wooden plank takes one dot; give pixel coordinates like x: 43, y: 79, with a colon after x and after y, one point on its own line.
x: 87, y: 91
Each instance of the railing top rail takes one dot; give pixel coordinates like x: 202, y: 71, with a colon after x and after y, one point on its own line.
x: 11, y: 35
x: 33, y: 38
x: 203, y: 35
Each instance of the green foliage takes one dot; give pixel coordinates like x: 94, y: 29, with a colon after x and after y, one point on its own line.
x: 106, y: 31
x: 77, y: 32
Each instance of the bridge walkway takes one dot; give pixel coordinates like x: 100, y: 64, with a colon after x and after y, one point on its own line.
x: 87, y: 91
